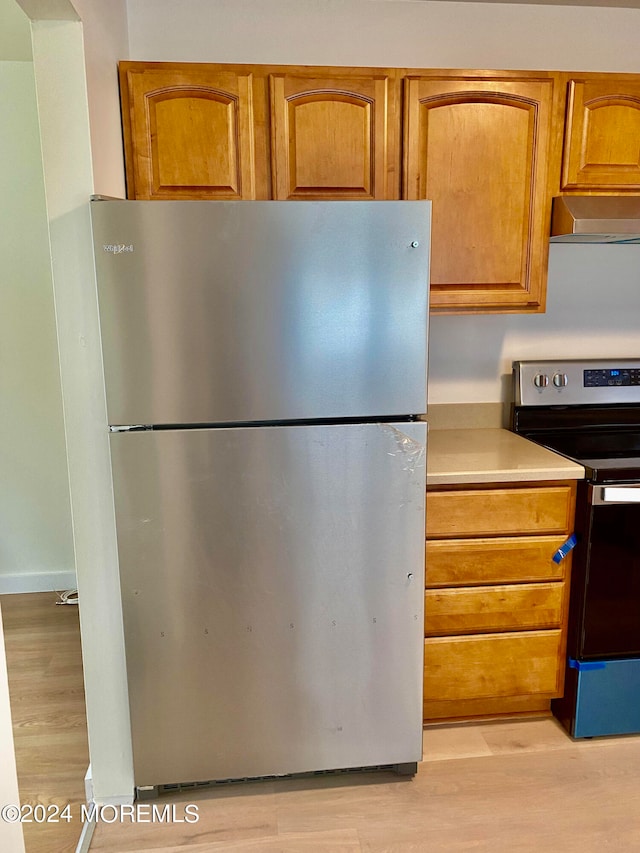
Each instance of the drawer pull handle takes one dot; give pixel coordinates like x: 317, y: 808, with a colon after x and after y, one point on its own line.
x: 621, y: 494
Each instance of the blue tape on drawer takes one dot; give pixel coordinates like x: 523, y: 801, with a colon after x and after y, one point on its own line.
x: 565, y: 548
x: 586, y: 665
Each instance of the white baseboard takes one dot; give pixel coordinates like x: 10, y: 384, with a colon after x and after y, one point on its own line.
x: 84, y: 842
x: 88, y: 785
x: 36, y: 582
x: 122, y: 800
x: 119, y: 800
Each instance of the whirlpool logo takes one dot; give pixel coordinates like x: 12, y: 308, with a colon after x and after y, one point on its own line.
x: 118, y: 248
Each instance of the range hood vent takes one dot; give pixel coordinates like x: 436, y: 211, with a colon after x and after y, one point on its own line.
x: 595, y: 219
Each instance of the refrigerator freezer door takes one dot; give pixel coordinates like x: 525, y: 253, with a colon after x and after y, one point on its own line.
x: 273, y: 585
x: 223, y: 312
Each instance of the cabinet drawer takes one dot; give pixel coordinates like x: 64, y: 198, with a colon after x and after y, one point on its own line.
x: 467, y: 562
x: 494, y: 512
x: 511, y: 607
x: 493, y: 665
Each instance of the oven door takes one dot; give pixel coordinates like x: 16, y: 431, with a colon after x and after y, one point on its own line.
x: 611, y: 615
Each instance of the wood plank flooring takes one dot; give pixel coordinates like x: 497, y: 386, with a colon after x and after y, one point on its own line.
x: 518, y: 787
x: 510, y: 787
x: 46, y: 691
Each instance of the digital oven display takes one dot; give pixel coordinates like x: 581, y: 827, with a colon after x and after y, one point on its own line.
x: 611, y: 376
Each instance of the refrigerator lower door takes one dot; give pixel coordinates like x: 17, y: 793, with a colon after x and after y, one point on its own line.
x: 273, y: 590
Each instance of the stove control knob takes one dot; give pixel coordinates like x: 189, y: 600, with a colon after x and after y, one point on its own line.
x: 560, y: 380
x: 541, y: 380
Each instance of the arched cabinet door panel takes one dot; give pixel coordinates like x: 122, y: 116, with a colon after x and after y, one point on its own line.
x: 333, y: 137
x: 602, y: 135
x: 479, y: 148
x: 189, y: 132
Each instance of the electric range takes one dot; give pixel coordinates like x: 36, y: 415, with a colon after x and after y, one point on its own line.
x: 589, y: 411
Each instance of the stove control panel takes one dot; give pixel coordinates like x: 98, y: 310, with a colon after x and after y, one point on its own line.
x: 576, y: 382
x: 611, y: 377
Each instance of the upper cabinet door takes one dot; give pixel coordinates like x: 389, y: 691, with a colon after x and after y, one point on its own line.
x: 479, y: 148
x: 334, y: 137
x: 189, y: 132
x: 602, y: 135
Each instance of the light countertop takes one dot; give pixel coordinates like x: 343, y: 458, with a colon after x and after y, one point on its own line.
x: 456, y: 456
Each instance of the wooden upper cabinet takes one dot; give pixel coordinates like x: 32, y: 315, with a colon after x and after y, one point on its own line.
x: 480, y: 148
x: 189, y: 132
x: 333, y: 137
x: 602, y: 134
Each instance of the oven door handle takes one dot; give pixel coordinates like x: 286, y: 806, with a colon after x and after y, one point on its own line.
x: 615, y: 495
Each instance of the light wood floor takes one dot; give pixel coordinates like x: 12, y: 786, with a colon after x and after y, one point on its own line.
x: 46, y: 691
x: 508, y: 787
x: 520, y: 787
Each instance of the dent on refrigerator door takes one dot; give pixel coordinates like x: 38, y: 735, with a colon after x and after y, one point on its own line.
x: 410, y: 449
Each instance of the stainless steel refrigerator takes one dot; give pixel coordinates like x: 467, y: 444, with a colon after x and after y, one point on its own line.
x: 264, y: 366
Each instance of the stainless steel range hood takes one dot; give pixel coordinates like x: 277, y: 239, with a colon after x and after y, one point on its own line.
x: 595, y: 219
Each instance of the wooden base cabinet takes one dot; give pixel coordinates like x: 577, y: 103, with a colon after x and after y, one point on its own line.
x: 496, y: 603
x: 505, y: 607
x: 493, y: 665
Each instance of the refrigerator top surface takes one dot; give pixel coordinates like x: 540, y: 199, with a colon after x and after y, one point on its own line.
x: 228, y: 312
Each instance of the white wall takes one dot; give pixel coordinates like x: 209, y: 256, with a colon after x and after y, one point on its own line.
x: 104, y: 26
x: 15, y: 33
x: 36, y: 549
x: 593, y: 309
x: 386, y: 32
x: 59, y: 63
x: 593, y: 292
